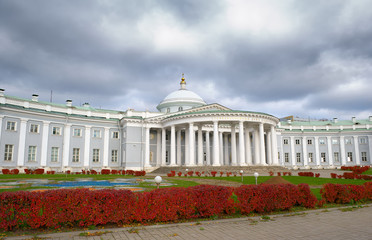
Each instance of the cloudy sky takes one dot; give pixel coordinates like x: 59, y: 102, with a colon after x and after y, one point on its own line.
x: 303, y: 58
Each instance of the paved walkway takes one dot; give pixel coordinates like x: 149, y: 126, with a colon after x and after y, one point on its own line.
x: 313, y: 224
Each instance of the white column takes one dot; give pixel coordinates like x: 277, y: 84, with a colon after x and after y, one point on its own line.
x: 200, y: 146
x: 87, y: 146
x: 44, y: 144
x: 147, y: 147
x: 179, y: 149
x: 158, y: 147
x: 216, y: 159
x: 187, y: 147
x: 317, y: 157
x: 192, y: 144
x: 274, y: 146
x: 1, y: 125
x: 233, y: 145
x: 248, y: 151
x: 257, y: 159
x: 342, y: 150
x: 241, y: 145
x: 269, y: 148
x: 329, y: 149
x: 262, y: 144
x: 208, y: 149
x: 356, y: 147
x: 173, y: 146
x: 293, y: 154
x: 106, y: 142
x: 221, y: 148
x: 226, y: 151
x: 163, y: 146
x: 22, y: 143
x: 370, y: 149
x: 66, y: 144
x: 304, y: 152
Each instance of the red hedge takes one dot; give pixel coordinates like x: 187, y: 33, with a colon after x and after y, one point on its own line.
x: 338, y: 193
x: 82, y: 207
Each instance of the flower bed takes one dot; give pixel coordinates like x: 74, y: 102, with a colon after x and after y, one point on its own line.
x: 82, y: 207
x: 338, y: 193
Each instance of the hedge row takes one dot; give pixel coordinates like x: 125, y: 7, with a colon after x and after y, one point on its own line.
x: 355, y: 169
x: 351, y: 175
x: 82, y: 207
x: 346, y: 193
x: 308, y: 174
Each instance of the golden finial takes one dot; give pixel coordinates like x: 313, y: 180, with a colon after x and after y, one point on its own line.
x: 183, y: 79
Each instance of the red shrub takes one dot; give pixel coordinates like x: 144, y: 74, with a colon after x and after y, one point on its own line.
x: 317, y: 175
x: 93, y: 172
x: 279, y: 174
x: 179, y: 174
x: 271, y: 173
x: 337, y: 193
x: 105, y: 171
x: 306, y: 174
x: 5, y: 171
x: 333, y: 175
x: 213, y: 173
x: 14, y: 171
x: 190, y: 173
x: 221, y: 173
x: 39, y: 171
x: 51, y: 172
x: 348, y: 175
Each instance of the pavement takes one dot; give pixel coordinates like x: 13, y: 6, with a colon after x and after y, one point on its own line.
x: 333, y: 223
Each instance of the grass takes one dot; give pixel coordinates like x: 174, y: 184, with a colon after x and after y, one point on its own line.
x: 313, y: 181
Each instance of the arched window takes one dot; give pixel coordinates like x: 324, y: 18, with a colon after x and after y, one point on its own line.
x: 180, y: 108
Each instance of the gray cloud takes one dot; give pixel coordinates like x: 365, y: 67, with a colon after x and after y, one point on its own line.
x: 284, y: 58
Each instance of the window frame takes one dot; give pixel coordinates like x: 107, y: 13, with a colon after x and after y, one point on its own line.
x: 349, y: 156
x: 54, y: 155
x: 95, y: 155
x: 310, y: 157
x: 115, y: 134
x: 11, y: 126
x: 114, y: 155
x: 309, y: 141
x: 56, y: 131
x: 77, y: 132
x: 285, y: 141
x: 298, y: 157
x: 323, y: 157
x: 336, y: 156
x: 8, y: 152
x: 363, y: 156
x: 75, y: 155
x: 286, y: 157
x: 34, y: 128
x: 31, y: 155
x: 95, y: 131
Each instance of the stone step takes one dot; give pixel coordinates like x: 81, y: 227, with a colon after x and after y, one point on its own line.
x: 246, y: 169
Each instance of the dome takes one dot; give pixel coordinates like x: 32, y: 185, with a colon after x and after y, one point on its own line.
x: 180, y: 100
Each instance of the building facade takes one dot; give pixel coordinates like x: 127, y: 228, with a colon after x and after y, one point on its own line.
x: 185, y: 132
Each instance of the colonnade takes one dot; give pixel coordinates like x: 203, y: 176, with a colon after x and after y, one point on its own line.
x: 208, y: 144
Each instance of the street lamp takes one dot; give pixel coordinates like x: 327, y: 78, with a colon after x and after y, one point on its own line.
x: 158, y: 180
x: 187, y: 171
x: 241, y: 174
x: 256, y: 176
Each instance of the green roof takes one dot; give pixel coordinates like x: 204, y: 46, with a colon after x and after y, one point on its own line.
x: 326, y: 123
x: 218, y: 111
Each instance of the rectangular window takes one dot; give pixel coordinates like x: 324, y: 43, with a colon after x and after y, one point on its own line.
x: 75, y: 154
x: 336, y: 157
x: 349, y: 156
x: 286, y: 157
x: 96, y: 133
x: 285, y: 141
x: 363, y: 140
x: 34, y: 128
x: 348, y: 140
x: 56, y: 131
x: 321, y: 141
x: 11, y: 126
x: 95, y: 155
x: 311, y: 159
x: 114, y: 155
x: 32, y: 153
x: 297, y: 141
x: 8, y: 154
x: 77, y: 132
x: 54, y: 154
x: 323, y: 157
x: 364, y: 156
x: 334, y: 141
x: 115, y: 134
x: 309, y: 141
x: 298, y: 157
x: 166, y: 157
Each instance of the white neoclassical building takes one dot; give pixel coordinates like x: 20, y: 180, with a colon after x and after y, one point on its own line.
x: 185, y: 131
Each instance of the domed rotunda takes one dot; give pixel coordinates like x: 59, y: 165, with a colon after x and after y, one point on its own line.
x: 180, y: 100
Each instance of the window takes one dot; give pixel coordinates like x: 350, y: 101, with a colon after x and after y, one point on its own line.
x: 115, y: 134
x: 34, y: 128
x: 348, y: 140
x: 311, y: 159
x: 279, y: 155
x: 336, y: 157
x: 309, y: 141
x: 321, y: 141
x: 323, y: 157
x: 166, y: 137
x: 8, y: 153
x: 364, y: 156
x: 75, y: 154
x: 77, y: 132
x: 32, y: 153
x: 11, y: 126
x: 96, y: 133
x: 285, y: 141
x: 349, y: 156
x: 363, y: 140
x: 114, y: 155
x: 298, y: 157
x: 56, y: 131
x: 297, y: 141
x: 168, y: 110
x: 54, y: 154
x: 334, y: 141
x: 166, y: 157
x: 286, y: 157
x: 180, y: 109
x: 95, y: 155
